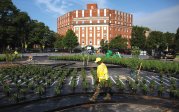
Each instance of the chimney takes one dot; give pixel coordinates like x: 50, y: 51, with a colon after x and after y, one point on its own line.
x: 92, y: 6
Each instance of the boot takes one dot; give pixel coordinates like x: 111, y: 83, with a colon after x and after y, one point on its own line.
x: 95, y: 95
x: 107, y: 97
x: 92, y: 99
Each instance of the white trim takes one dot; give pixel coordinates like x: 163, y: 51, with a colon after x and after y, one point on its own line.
x: 76, y: 13
x: 107, y: 33
x: 89, y: 25
x: 83, y: 13
x: 79, y: 35
x: 93, y: 18
x: 91, y: 13
x: 98, y: 14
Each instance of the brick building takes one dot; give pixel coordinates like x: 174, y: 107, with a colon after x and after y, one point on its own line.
x: 93, y: 24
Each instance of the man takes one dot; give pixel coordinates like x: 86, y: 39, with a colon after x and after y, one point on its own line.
x: 103, y: 79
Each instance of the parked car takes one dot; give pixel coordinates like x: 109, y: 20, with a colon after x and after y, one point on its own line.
x: 171, y: 54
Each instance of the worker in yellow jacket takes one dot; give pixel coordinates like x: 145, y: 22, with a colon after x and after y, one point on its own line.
x: 103, y: 79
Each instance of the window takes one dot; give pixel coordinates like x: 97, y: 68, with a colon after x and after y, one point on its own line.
x: 109, y: 21
x: 105, y: 34
x: 83, y: 28
x: 76, y: 22
x: 98, y: 28
x: 90, y: 35
x: 82, y: 13
x: 104, y: 12
x: 77, y: 35
x: 104, y: 28
x: 104, y: 21
x: 98, y: 12
x: 98, y: 35
x: 76, y: 28
x: 98, y: 42
x: 83, y: 35
x: 83, y: 41
x: 82, y: 22
x: 90, y: 13
x: 98, y: 21
x: 76, y: 13
x: 90, y: 42
x: 90, y: 28
x: 90, y: 21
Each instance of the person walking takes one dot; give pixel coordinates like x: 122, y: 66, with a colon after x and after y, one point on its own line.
x: 102, y: 81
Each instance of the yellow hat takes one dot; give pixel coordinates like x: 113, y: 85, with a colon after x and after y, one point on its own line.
x: 97, y: 60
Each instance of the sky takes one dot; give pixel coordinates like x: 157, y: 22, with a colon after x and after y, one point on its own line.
x: 158, y: 15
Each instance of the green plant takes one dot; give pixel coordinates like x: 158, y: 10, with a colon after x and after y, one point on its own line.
x: 120, y: 85
x: 57, y: 90
x: 83, y: 74
x: 144, y: 89
x: 160, y: 89
x: 85, y: 85
x: 40, y: 90
x: 6, y: 89
x: 15, y: 97
x: 133, y: 86
x: 73, y: 83
x: 152, y: 86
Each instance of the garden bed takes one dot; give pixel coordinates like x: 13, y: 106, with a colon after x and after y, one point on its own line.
x: 33, y: 83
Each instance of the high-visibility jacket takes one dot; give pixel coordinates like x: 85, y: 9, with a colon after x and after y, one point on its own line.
x: 102, y: 72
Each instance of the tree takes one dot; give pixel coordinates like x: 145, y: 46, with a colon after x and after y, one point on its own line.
x: 138, y: 37
x: 118, y: 43
x: 17, y: 30
x: 170, y: 40
x: 7, y: 28
x: 156, y: 40
x: 22, y: 22
x: 59, y: 41
x: 104, y: 45
x: 177, y: 40
x: 41, y: 35
x: 70, y: 40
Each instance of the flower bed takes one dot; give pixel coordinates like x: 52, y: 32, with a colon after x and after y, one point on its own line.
x: 27, y: 83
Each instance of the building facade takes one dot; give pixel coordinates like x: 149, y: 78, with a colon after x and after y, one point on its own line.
x: 93, y: 24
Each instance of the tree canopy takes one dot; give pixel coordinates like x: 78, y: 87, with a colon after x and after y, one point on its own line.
x: 18, y: 30
x: 70, y: 40
x: 138, y: 38
x: 118, y: 43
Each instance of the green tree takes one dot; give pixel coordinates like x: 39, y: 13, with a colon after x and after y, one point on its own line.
x: 7, y: 28
x: 170, y: 40
x: 70, y: 40
x: 59, y: 42
x: 104, y: 45
x: 22, y: 22
x: 41, y: 35
x: 138, y: 36
x: 177, y: 40
x: 118, y: 43
x: 156, y: 40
